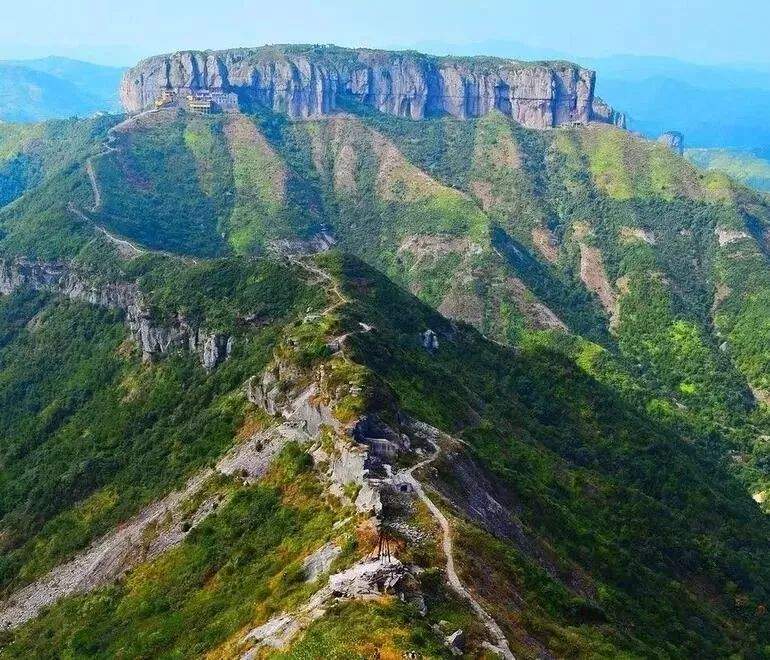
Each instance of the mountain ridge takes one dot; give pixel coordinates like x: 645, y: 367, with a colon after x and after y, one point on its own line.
x: 52, y: 87
x: 577, y: 317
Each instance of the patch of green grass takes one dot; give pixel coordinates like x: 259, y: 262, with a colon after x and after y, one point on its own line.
x: 151, y: 191
x: 241, y: 563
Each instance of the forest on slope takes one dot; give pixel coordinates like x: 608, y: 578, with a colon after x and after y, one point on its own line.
x: 600, y: 374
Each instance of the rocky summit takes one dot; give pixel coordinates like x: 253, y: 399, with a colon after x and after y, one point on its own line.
x: 312, y: 81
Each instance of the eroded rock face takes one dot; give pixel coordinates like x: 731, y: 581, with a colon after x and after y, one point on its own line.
x: 603, y: 112
x: 312, y: 81
x: 673, y: 140
x: 154, y: 338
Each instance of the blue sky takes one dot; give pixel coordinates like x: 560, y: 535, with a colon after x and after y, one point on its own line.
x: 120, y: 31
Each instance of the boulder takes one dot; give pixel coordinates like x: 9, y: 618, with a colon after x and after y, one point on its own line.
x: 320, y: 561
x: 673, y: 140
x: 455, y: 642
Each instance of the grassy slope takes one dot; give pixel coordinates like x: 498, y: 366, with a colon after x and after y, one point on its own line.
x: 89, y: 434
x: 473, y: 192
x: 660, y: 534
x: 31, y: 153
x: 588, y: 187
x: 741, y: 165
x: 241, y: 563
x: 664, y: 533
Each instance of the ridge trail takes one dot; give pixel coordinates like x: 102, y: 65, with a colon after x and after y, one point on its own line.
x: 447, y: 544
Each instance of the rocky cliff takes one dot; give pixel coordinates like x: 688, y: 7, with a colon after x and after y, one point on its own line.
x: 673, y: 140
x: 311, y: 81
x: 154, y: 338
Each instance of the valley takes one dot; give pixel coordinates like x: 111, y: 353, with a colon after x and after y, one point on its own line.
x: 520, y: 346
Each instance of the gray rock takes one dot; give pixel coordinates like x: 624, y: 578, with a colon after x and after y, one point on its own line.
x: 216, y: 349
x: 673, y: 140
x: 455, y: 642
x: 313, y: 81
x: 349, y: 466
x: 369, y: 499
x: 320, y: 561
x: 429, y: 340
x: 602, y: 112
x: 370, y: 578
x: 154, y: 338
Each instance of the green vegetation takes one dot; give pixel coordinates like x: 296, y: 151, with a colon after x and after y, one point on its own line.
x: 740, y: 165
x: 32, y: 153
x: 89, y: 434
x: 600, y: 480
x: 240, y: 563
x: 623, y: 451
x: 260, y: 186
x: 152, y: 191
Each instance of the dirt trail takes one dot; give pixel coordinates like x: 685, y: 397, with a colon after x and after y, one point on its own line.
x: 108, y: 148
x: 288, y: 626
x: 333, y: 287
x: 448, y: 546
x: 127, y: 248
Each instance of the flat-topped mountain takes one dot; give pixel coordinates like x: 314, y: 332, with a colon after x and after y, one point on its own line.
x: 312, y: 81
x: 363, y: 383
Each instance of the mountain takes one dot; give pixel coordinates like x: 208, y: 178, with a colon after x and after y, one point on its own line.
x: 242, y: 354
x: 55, y: 87
x: 713, y: 105
x: 311, y: 81
x: 746, y: 166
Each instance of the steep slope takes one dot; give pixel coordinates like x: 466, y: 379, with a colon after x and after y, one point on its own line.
x: 31, y: 153
x: 598, y: 529
x: 538, y: 230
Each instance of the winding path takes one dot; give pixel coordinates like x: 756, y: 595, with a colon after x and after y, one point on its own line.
x: 127, y: 248
x: 334, y: 286
x: 448, y: 546
x: 407, y: 474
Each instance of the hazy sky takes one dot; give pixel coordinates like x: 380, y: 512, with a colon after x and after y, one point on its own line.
x: 122, y: 30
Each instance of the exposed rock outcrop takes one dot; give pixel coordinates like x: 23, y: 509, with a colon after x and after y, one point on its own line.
x: 320, y: 561
x: 311, y: 81
x: 154, y: 338
x: 156, y: 529
x: 603, y: 112
x: 726, y: 236
x: 674, y: 141
x: 366, y: 579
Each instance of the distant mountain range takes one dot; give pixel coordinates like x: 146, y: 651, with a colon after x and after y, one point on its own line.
x: 56, y: 87
x: 749, y: 167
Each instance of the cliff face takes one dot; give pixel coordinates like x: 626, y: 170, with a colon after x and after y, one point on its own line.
x: 308, y: 81
x: 153, y: 338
